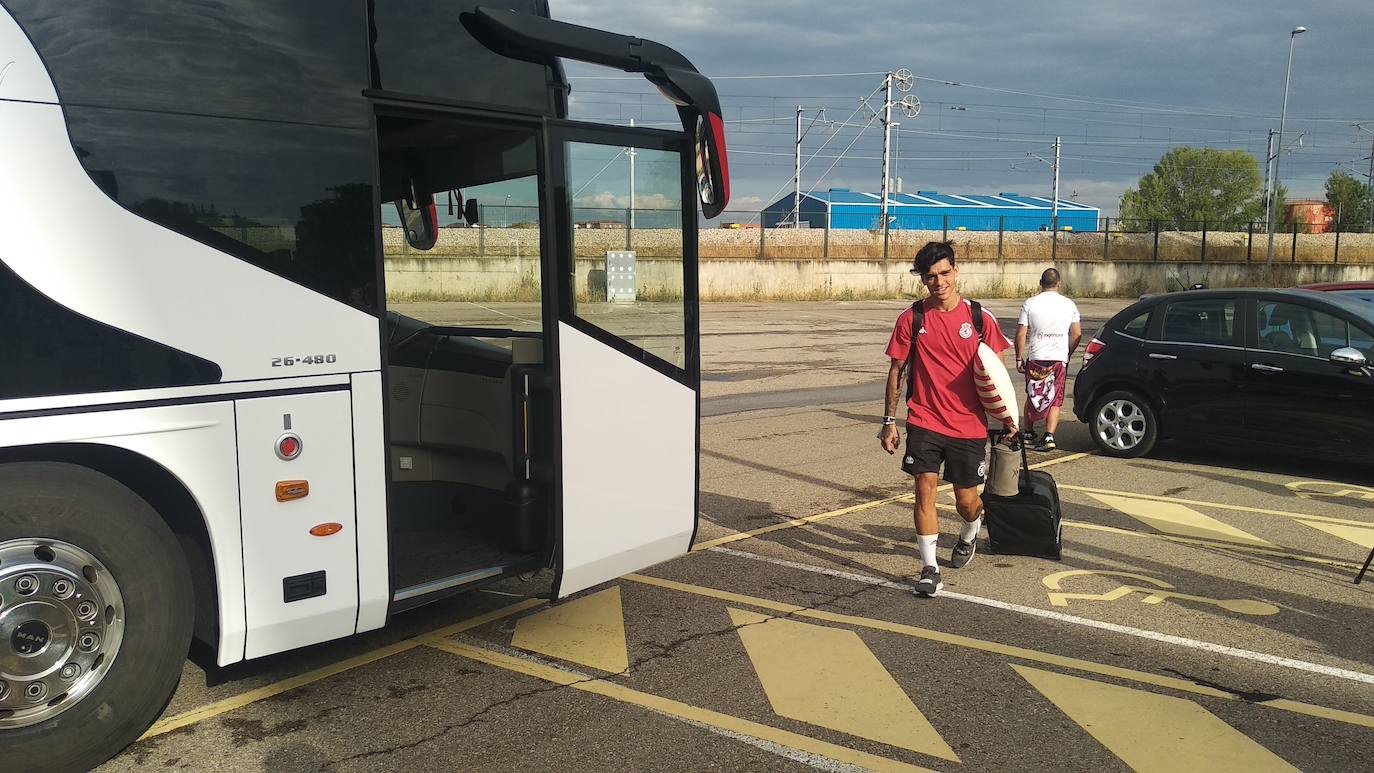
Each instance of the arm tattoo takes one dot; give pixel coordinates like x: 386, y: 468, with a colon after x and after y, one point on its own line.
x: 894, y: 382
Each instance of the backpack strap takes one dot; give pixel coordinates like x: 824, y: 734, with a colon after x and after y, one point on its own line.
x: 918, y: 318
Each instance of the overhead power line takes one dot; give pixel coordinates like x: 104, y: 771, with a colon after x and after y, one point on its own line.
x: 1134, y: 105
x: 738, y: 77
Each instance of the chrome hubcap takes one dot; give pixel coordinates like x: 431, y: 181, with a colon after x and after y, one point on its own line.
x: 61, y: 624
x: 1120, y: 424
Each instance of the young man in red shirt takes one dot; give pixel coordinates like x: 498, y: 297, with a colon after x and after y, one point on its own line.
x: 945, y: 419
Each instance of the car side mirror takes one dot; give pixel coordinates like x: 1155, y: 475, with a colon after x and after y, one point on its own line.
x: 1349, y: 357
x: 470, y: 212
x: 419, y: 219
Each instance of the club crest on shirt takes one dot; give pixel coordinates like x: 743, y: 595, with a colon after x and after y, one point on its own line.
x: 966, y: 330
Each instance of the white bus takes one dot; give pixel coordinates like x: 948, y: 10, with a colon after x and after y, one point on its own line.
x: 218, y: 420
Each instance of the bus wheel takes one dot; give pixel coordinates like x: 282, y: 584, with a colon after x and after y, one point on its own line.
x: 95, y: 616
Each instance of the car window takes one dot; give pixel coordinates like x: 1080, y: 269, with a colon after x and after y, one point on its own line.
x: 1294, y: 329
x: 1201, y: 321
x: 1362, y: 341
x: 1137, y: 326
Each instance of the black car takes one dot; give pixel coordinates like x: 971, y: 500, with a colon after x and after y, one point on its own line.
x: 1279, y: 367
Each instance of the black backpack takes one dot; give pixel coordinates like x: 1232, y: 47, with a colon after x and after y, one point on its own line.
x: 918, y: 317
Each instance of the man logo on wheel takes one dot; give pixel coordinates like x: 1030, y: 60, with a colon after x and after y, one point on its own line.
x: 30, y: 638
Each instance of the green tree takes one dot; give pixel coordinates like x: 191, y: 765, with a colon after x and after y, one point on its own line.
x: 1191, y: 185
x: 1347, y: 196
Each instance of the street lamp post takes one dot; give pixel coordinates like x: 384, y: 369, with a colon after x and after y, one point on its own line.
x: 1278, y: 154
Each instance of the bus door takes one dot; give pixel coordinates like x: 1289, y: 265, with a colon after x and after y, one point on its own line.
x: 625, y: 350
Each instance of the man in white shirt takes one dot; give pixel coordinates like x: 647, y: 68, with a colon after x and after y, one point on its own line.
x: 1047, y: 335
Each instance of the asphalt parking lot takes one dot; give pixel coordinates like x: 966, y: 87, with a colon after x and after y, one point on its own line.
x: 1202, y: 618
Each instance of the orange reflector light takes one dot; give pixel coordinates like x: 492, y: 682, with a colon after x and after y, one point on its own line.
x: 288, y: 490
x: 326, y: 529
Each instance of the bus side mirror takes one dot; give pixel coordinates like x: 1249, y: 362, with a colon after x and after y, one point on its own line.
x: 419, y: 219
x: 712, y: 170
x: 470, y: 212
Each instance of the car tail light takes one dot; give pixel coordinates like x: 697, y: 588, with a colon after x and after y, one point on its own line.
x: 1095, y: 348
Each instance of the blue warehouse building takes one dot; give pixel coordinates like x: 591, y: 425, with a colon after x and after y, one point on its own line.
x: 932, y: 211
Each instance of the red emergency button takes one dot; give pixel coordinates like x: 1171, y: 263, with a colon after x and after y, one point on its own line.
x: 289, y: 446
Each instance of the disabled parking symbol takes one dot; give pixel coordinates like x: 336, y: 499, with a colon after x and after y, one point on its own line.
x: 1325, y: 489
x: 1155, y: 592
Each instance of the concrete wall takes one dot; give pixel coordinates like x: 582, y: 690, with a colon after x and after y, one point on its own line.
x: 780, y: 279
x: 803, y: 279
x: 504, y: 264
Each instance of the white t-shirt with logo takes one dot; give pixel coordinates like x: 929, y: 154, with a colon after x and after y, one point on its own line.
x: 1047, y: 318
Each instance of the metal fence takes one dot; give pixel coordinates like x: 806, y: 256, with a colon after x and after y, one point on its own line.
x: 1042, y: 237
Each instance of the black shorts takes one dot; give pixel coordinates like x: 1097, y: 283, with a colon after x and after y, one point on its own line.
x: 965, y: 460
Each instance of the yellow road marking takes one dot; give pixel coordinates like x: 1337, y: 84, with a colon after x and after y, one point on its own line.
x: 1205, y: 543
x: 810, y: 519
x: 1152, y: 595
x: 998, y: 648
x: 676, y: 709
x: 1174, y: 518
x: 743, y: 535
x: 589, y: 631
x: 252, y: 696
x: 828, y: 677
x: 1217, y: 505
x: 1057, y: 460
x: 1153, y: 733
x: 1360, y: 535
x: 1276, y: 553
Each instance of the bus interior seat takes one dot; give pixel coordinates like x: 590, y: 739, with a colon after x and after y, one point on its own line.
x: 452, y: 405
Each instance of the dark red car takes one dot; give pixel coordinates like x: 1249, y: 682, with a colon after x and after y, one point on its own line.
x: 1361, y: 290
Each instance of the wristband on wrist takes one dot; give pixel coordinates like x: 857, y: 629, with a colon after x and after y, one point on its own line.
x: 889, y: 420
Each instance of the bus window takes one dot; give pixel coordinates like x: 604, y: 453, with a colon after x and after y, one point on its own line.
x: 481, y: 266
x: 630, y: 199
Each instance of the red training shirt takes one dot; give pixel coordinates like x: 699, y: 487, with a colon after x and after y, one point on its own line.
x: 945, y: 400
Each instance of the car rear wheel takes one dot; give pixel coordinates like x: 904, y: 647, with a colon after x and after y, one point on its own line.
x: 1123, y: 424
x: 95, y: 616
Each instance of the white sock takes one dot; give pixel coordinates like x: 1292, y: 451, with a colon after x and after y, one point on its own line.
x: 970, y: 532
x: 926, y: 542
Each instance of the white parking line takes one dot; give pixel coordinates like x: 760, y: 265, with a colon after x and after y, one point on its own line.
x: 1165, y: 638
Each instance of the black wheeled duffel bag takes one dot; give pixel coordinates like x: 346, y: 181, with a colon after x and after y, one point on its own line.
x: 1027, y: 523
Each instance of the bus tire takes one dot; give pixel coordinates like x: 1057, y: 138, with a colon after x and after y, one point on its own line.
x: 96, y: 609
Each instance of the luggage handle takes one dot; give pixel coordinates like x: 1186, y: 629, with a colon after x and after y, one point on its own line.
x: 1023, y: 480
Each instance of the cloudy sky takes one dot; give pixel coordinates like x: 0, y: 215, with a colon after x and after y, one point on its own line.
x: 1120, y: 82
